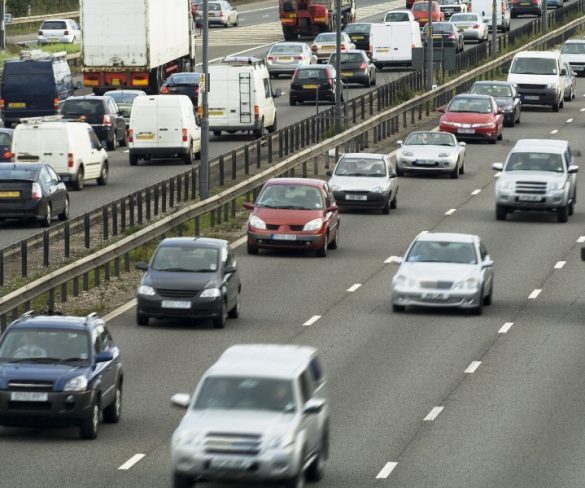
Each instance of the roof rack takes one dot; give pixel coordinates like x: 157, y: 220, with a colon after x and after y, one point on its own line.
x: 32, y: 54
x: 243, y: 60
x: 38, y: 120
x: 91, y: 316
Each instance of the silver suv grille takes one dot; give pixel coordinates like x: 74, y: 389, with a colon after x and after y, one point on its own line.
x: 436, y: 285
x: 532, y: 187
x: 232, y: 443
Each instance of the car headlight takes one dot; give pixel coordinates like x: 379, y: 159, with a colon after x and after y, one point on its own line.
x: 282, y: 441
x: 404, y: 282
x: 186, y: 437
x: 484, y: 125
x: 467, y: 284
x: 334, y: 187
x: 450, y: 124
x: 505, y: 185
x: 79, y: 383
x: 378, y: 189
x: 211, y: 293
x: 314, y: 224
x: 257, y: 222
x: 146, y: 290
x: 443, y: 155
x: 507, y: 107
x: 408, y: 154
x: 552, y: 86
x: 555, y: 186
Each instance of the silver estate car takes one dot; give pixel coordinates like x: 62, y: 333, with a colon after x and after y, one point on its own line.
x: 444, y: 270
x: 428, y: 151
x: 364, y: 180
x: 284, y: 58
x: 471, y: 25
x: 259, y: 414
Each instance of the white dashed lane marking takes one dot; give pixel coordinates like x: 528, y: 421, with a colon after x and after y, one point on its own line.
x: 131, y: 462
x: 472, y: 367
x: 534, y: 294
x: 476, y: 192
x: 560, y: 264
x: 505, y: 328
x: 554, y: 131
x: 312, y: 320
x: 451, y: 211
x: 581, y: 239
x: 433, y: 414
x: 569, y: 121
x: 353, y: 288
x: 386, y: 470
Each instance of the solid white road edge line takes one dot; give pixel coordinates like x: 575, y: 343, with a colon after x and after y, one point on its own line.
x: 451, y: 211
x: 386, y: 470
x: 433, y: 414
x: 560, y: 264
x: 353, y: 288
x: 534, y: 294
x: 131, y: 462
x: 505, y: 328
x: 312, y: 320
x: 472, y: 367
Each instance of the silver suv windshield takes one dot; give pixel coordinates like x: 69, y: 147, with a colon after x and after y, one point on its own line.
x: 534, y: 161
x: 243, y: 393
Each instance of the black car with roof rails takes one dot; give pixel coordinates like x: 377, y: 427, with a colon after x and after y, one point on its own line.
x: 6, y: 144
x: 102, y: 113
x: 315, y: 83
x: 190, y: 278
x: 356, y: 67
x: 359, y: 33
x: 32, y: 191
x: 59, y: 371
x: 505, y: 95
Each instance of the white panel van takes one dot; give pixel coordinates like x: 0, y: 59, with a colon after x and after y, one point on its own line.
x: 391, y: 43
x: 71, y: 148
x: 485, y: 9
x: 163, y: 126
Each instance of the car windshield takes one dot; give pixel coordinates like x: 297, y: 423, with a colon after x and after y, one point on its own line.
x: 574, y: 48
x: 44, y: 345
x: 53, y: 25
x: 493, y: 90
x: 442, y: 252
x: 471, y: 105
x: 296, y: 197
x: 327, y: 37
x: 358, y: 28
x: 286, y: 49
x: 348, y: 58
x: 361, y: 167
x: 189, y: 259
x: 122, y: 97
x: 464, y: 18
x: 429, y: 139
x: 242, y: 393
x: 534, y: 66
x: 534, y: 161
x: 396, y: 17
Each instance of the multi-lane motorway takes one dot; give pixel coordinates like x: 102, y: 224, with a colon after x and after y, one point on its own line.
x: 428, y: 398
x: 250, y: 38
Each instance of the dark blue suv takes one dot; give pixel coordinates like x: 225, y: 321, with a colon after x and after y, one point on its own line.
x: 58, y: 371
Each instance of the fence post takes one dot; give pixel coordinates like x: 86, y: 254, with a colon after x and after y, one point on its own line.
x: 163, y: 197
x: 258, y: 153
x: 221, y: 170
x: 247, y: 159
x: 114, y: 218
x: 86, y: 228
x: 105, y: 230
x: 24, y: 258
x: 46, y: 248
x: 139, y: 204
x: 269, y: 149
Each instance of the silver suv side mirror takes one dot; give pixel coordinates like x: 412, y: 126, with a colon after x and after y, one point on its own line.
x: 498, y: 166
x: 313, y: 406
x: 181, y: 400
x: 573, y: 169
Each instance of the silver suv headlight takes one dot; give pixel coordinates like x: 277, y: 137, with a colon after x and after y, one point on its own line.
x: 282, y: 441
x: 404, y: 282
x: 467, y: 284
x: 79, y: 383
x: 505, y: 185
x: 187, y: 437
x: 555, y: 185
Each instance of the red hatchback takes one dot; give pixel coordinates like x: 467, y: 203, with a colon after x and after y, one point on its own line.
x: 293, y: 213
x: 473, y: 117
x: 420, y: 11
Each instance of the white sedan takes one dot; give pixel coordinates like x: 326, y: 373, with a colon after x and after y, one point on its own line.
x: 430, y: 151
x: 471, y: 25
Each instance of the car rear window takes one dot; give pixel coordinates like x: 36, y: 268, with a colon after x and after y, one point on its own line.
x: 286, y: 49
x: 311, y: 74
x: 348, y: 58
x: 184, y: 79
x: 18, y: 174
x: 28, y: 78
x: 396, y: 17
x: 493, y: 90
x: 442, y: 27
x: 464, y: 18
x: 122, y: 97
x: 327, y: 37
x: 5, y: 139
x: 419, y: 7
x: 214, y: 6
x: 54, y: 25
x: 82, y: 107
x: 358, y: 28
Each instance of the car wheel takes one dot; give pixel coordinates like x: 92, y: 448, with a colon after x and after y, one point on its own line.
x: 462, y: 168
x: 501, y: 212
x: 64, y: 215
x: 399, y: 172
x: 316, y: 469
x: 258, y: 133
x: 252, y: 249
x: 297, y: 481
x: 487, y: 300
x: 124, y: 141
x: 103, y: 178
x: 555, y: 107
x: 188, y: 158
x: 368, y: 83
x: 274, y: 126
x: 141, y: 319
x: 562, y: 103
x: 479, y: 309
x: 219, y: 321
x: 334, y: 244
x: 322, y: 252
x: 512, y: 123
x: 112, y: 143
x: 113, y: 411
x: 234, y: 313
x: 46, y: 222
x: 217, y: 133
x: 291, y: 101
x: 398, y: 308
x: 455, y: 173
x: 571, y: 208
x: 78, y: 185
x: 374, y: 80
x: 386, y: 208
x: 89, y: 428
x: 133, y: 159
x: 394, y: 201
x: 563, y: 214
x: 181, y: 480
x: 494, y: 140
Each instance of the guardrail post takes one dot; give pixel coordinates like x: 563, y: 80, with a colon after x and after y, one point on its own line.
x: 96, y: 277
x: 286, y: 138
x: 226, y: 212
x: 363, y: 106
x: 51, y: 301
x: 270, y: 149
x: 197, y: 225
x: 302, y: 129
x: 123, y: 213
x: 212, y: 218
x: 105, y: 230
x: 24, y: 258
x: 193, y: 183
x: 46, y: 248
x: 107, y: 272
x: 233, y: 209
x: 127, y: 262
x: 156, y: 198
x: 186, y: 183
x: 86, y: 227
x: 221, y: 170
x: 114, y: 218
x: 316, y: 165
x: 171, y: 192
x: 1, y: 267
x: 139, y: 205
x: 219, y: 215
x: 234, y: 165
x: 116, y: 266
x: 178, y: 187
x: 247, y: 159
x: 85, y: 282
x: 304, y: 169
x: 163, y: 197
x: 258, y: 153
x: 280, y: 143
x: 379, y: 97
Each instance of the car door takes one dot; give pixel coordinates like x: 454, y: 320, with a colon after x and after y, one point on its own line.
x: 117, y: 120
x: 49, y: 189
x: 499, y: 116
x: 392, y: 177
x: 105, y: 371
x: 230, y: 278
x: 93, y: 164
x: 59, y: 190
x: 487, y: 269
x: 568, y: 157
x: 332, y: 217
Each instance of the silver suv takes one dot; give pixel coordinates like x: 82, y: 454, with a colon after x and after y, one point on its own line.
x: 260, y: 413
x: 538, y: 175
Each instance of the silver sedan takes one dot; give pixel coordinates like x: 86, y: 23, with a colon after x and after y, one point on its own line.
x: 471, y: 25
x: 427, y: 151
x: 444, y: 270
x: 285, y: 57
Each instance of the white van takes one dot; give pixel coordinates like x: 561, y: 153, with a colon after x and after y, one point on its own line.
x: 392, y: 43
x: 240, y: 97
x: 539, y: 78
x: 485, y: 9
x: 163, y: 126
x: 71, y: 148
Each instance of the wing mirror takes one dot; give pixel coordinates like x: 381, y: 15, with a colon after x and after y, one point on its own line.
x: 487, y: 262
x: 141, y: 265
x: 332, y: 208
x: 563, y: 72
x: 104, y: 357
x: 462, y: 144
x: 329, y: 172
x: 441, y: 109
x: 313, y: 406
x: 400, y: 142
x: 249, y: 205
x: 498, y: 166
x: 230, y: 268
x: 181, y: 400
x: 573, y: 169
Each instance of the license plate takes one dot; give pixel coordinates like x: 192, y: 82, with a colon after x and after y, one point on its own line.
x: 466, y: 131
x: 437, y: 36
x: 175, y: 304
x: 327, y: 48
x: 215, y: 113
x: 346, y: 73
x: 357, y: 38
x: 435, y: 296
x: 529, y: 198
x: 310, y: 87
x: 54, y: 39
x: 28, y: 396
x: 145, y: 137
x: 285, y: 59
x: 356, y: 197
x: 116, y: 82
x: 9, y: 194
x: 383, y: 50
x: 525, y: 4
x: 227, y: 463
x: 531, y: 97
x: 211, y: 14
x: 284, y: 237
x: 16, y: 105
x: 423, y: 19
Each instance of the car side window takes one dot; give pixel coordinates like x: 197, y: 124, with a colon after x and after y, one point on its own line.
x: 568, y: 157
x: 482, y: 251
x: 113, y: 107
x: 95, y: 143
x: 230, y: 257
x: 106, y: 339
x: 305, y: 384
x: 54, y: 178
x: 97, y: 340
x: 45, y: 178
x: 316, y: 372
x: 267, y: 91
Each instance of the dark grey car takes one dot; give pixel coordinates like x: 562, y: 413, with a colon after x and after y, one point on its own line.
x: 505, y: 95
x: 190, y: 278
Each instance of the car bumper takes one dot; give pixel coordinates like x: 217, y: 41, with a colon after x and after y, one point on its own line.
x: 217, y: 20
x: 478, y: 133
x: 324, y: 56
x: 436, y: 298
x: 311, y: 95
x: 538, y: 96
x: 361, y: 200
x: 60, y: 409
x: 355, y: 77
x: 14, y: 116
x: 438, y: 165
x: 158, y: 151
x: 198, y: 308
x: 283, y: 69
x: 472, y: 35
x: 267, y: 240
x: 270, y: 465
x: 22, y: 210
x: 546, y: 202
x: 534, y: 10
x: 56, y: 40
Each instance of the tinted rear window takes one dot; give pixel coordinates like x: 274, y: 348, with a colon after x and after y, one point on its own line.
x: 306, y: 74
x: 5, y: 139
x: 358, y: 28
x: 348, y: 58
x: 82, y: 107
x: 214, y: 6
x: 28, y: 78
x: 184, y: 79
x: 18, y: 174
x: 54, y: 25
x: 286, y: 49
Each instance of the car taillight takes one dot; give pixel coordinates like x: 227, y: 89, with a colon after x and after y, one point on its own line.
x: 70, y: 160
x: 107, y: 120
x: 130, y: 135
x: 451, y: 36
x: 1, y: 104
x: 36, y: 193
x: 298, y: 58
x: 314, y: 47
x: 342, y: 47
x: 56, y: 104
x: 269, y: 58
x: 476, y: 26
x: 66, y: 33
x: 7, y: 155
x: 256, y: 112
x: 200, y: 111
x: 221, y: 13
x: 185, y: 134
x: 164, y: 90
x: 364, y: 66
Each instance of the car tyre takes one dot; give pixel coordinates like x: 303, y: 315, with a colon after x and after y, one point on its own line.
x: 274, y: 127
x: 316, y: 469
x: 78, y: 184
x: 258, y: 133
x: 563, y: 214
x: 322, y: 252
x: 188, y: 158
x: 112, y: 143
x: 334, y: 244
x: 46, y: 222
x: 124, y: 141
x: 462, y: 168
x: 571, y: 208
x: 89, y: 428
x: 487, y: 300
x: 234, y: 313
x: 291, y: 101
x: 103, y: 178
x: 386, y: 208
x: 555, y: 107
x: 399, y: 172
x: 455, y: 173
x: 113, y: 412
x: 64, y: 215
x: 298, y: 481
x: 501, y: 212
x: 133, y: 159
x: 141, y: 319
x: 394, y: 201
x: 398, y: 308
x: 479, y: 309
x: 253, y: 250
x: 182, y: 481
x: 368, y: 83
x: 219, y: 321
